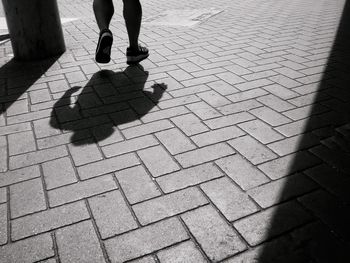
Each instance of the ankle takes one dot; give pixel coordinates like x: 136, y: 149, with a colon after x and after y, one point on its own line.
x: 134, y: 47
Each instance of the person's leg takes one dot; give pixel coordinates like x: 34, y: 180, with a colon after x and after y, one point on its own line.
x: 104, y: 11
x: 132, y: 13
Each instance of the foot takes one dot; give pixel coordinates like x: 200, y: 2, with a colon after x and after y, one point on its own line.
x: 104, y: 45
x: 134, y: 56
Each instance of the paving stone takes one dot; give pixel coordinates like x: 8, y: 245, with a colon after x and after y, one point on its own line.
x: 129, y: 145
x: 38, y: 96
x: 73, y: 77
x: 18, y: 107
x: 3, y: 224
x: 294, y: 128
x: 185, y: 252
x: 331, y: 179
x: 189, y: 90
x: 222, y: 87
x: 12, y: 177
x: 80, y: 190
x: 232, y: 202
x: 213, y: 98
x: 58, y: 173
x: 329, y: 210
x: 21, y: 142
x: 148, y: 128
x: 335, y: 157
x: 9, y: 129
x: 37, y: 157
x: 205, y: 154
x: 242, y: 172
x: 228, y: 120
x: 260, y: 131
x: 310, y: 88
x: 164, y: 114
x: 203, y: 110
x: 2, y: 120
x: 253, y: 84
x: 281, y: 92
x: 158, y: 161
x: 3, y: 195
x: 270, y: 116
x: 180, y: 75
x: 145, y: 240
x: 3, y: 154
x: 107, y: 166
x: 30, y: 116
x: 256, y: 228
x: 309, y: 99
x: 79, y: 243
x: 189, y: 124
x: 165, y: 104
x: 169, y: 205
x: 27, y: 197
x: 48, y: 220
x: 304, y: 112
x: 239, y: 107
x: 285, y: 81
x: 281, y: 190
x: 111, y: 213
x: 103, y: 140
x: 281, y: 249
x: 236, y: 69
x: 62, y: 139
x: 198, y: 81
x: 216, y: 136
x: 230, y: 78
x: 175, y: 141
x: 58, y: 86
x: 28, y: 250
x: 260, y: 75
x: 215, y: 236
x: 137, y: 184
x: 246, y: 95
x: 125, y: 119
x: 43, y: 128
x: 188, y: 177
x: 293, y: 144
x: 83, y: 154
x: 275, y: 103
x: 289, y: 72
x: 288, y: 164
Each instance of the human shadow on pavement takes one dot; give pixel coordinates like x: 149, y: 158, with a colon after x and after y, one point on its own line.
x: 109, y: 101
x: 315, y: 200
x: 16, y: 78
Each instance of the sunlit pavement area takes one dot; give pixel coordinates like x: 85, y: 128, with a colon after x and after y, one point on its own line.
x: 231, y: 143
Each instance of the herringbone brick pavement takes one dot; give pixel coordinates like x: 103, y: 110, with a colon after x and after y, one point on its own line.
x: 229, y: 144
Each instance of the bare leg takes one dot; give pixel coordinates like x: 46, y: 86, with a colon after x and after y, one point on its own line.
x: 104, y: 11
x: 132, y: 14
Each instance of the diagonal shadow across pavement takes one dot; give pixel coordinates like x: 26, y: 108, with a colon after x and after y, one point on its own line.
x: 320, y: 215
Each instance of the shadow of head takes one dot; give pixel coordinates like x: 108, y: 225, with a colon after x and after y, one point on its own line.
x: 110, y: 99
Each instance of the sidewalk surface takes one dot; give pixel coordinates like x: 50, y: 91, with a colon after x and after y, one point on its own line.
x: 229, y: 144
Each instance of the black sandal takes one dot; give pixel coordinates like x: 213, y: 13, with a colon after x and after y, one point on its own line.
x: 104, y: 45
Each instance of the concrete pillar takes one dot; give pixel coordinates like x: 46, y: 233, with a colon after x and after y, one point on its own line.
x: 35, y: 28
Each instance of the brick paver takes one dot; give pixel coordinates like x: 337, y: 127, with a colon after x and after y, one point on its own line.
x: 230, y: 143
